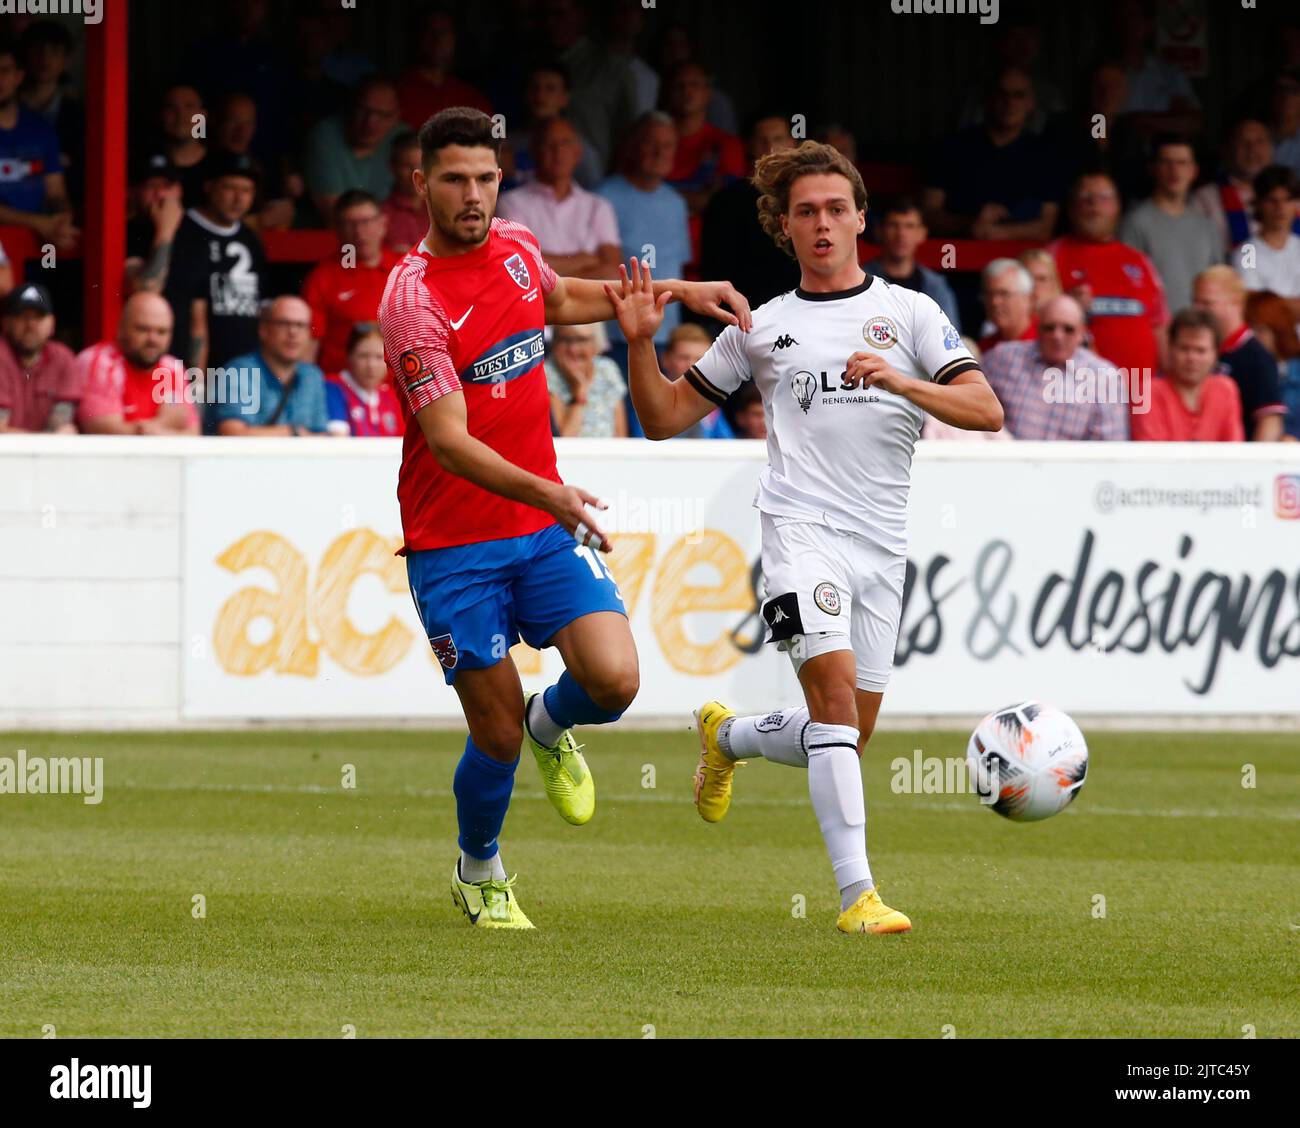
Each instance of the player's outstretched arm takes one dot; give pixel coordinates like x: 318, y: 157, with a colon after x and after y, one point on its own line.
x: 967, y: 402
x: 580, y: 301
x: 458, y: 452
x: 665, y: 407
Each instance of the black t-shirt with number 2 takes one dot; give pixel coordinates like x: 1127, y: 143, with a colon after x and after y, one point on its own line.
x: 226, y: 266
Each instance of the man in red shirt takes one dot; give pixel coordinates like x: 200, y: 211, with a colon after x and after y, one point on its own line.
x: 430, y: 85
x: 131, y: 386
x: 497, y: 546
x: 1191, y: 403
x: 39, y: 382
x: 1118, y: 286
x: 707, y: 157
x: 346, y: 289
x: 404, y: 210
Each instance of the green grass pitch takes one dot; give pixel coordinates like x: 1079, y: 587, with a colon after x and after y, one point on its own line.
x: 328, y: 907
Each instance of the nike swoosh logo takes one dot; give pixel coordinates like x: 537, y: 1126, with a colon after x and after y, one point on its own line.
x: 348, y: 296
x: 458, y: 324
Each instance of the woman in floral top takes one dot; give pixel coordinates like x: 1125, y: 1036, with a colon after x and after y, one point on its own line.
x: 587, y: 389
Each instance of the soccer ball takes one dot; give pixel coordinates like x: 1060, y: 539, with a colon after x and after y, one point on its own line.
x: 1028, y: 761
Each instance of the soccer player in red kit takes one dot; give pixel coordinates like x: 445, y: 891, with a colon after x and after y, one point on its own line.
x: 497, y: 546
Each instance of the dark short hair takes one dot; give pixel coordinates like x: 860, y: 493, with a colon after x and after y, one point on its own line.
x: 361, y: 331
x: 352, y: 198
x: 898, y: 205
x: 1273, y: 178
x: 47, y: 33
x: 457, y: 125
x: 372, y: 82
x: 10, y: 48
x: 407, y: 139
x: 1194, y: 320
x: 552, y: 66
x: 1169, y: 140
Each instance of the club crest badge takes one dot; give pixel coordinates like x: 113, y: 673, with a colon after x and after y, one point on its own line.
x: 445, y: 650
x: 880, y: 333
x: 518, y: 270
x: 827, y: 597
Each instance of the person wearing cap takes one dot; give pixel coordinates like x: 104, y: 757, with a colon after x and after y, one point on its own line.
x: 217, y: 278
x: 151, y: 232
x: 131, y: 386
x: 33, y: 193
x: 39, y: 382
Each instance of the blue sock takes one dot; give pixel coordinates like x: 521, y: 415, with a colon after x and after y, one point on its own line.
x: 568, y: 704
x: 482, y: 788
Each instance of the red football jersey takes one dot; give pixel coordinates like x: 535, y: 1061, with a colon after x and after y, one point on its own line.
x: 340, y: 297
x: 1128, y: 299
x: 471, y: 323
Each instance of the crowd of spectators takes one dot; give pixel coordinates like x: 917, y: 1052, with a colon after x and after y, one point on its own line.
x: 1160, y: 300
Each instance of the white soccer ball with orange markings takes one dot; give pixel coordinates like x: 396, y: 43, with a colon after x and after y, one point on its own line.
x: 1028, y: 761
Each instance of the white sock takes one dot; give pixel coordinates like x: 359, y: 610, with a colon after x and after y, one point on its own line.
x: 774, y: 736
x: 474, y: 870
x: 835, y: 784
x: 541, y: 724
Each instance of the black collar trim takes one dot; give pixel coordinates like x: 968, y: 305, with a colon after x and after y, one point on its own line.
x: 836, y: 295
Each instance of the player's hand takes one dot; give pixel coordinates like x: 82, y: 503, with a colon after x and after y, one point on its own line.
x: 871, y: 370
x: 709, y: 298
x: 568, y: 505
x: 638, y: 311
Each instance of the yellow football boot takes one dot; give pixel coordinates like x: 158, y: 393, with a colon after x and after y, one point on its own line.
x: 565, y: 775
x: 487, y: 904
x: 716, y: 768
x: 870, y: 914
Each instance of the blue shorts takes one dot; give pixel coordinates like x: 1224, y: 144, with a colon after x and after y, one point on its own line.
x: 477, y: 600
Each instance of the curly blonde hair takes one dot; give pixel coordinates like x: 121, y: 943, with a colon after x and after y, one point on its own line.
x: 775, y: 174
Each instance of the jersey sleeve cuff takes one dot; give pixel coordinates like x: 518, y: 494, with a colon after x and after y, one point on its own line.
x: 949, y: 373
x: 701, y: 384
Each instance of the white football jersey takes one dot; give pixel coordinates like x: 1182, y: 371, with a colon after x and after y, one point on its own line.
x: 837, y: 457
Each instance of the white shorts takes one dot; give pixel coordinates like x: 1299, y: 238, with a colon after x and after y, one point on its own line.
x: 822, y: 582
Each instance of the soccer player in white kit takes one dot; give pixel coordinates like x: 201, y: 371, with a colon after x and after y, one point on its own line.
x: 848, y: 367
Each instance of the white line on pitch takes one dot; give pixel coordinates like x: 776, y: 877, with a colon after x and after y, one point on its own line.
x: 901, y: 804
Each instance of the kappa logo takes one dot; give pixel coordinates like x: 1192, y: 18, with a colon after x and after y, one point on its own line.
x: 518, y: 270
x: 445, y: 649
x: 784, y: 342
x: 804, y: 386
x: 779, y: 616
